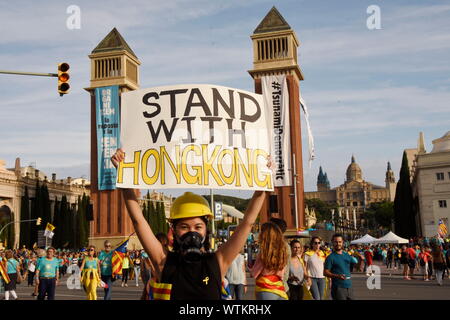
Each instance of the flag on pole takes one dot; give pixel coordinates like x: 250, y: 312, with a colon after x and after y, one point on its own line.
x: 118, y: 256
x: 49, y: 231
x: 310, y: 135
x: 442, y: 229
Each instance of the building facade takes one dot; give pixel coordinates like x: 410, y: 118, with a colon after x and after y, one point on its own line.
x: 355, y: 192
x: 430, y: 177
x: 13, y: 182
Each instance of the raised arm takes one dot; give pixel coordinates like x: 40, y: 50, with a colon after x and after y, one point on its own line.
x: 227, y: 252
x: 141, y: 226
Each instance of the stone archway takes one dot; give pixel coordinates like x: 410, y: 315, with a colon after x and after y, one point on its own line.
x: 6, y: 216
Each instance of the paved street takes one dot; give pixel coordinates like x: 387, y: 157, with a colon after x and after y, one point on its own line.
x: 393, y: 287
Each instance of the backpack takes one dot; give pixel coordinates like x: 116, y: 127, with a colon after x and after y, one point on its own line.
x: 422, y: 262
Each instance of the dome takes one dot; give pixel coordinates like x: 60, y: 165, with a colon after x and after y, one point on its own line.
x: 354, y: 172
x: 442, y: 144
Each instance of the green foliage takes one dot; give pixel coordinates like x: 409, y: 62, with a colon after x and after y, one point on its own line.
x: 56, y: 241
x: 45, y: 206
x: 322, y: 209
x: 36, y: 211
x: 381, y: 214
x: 25, y: 228
x: 64, y: 227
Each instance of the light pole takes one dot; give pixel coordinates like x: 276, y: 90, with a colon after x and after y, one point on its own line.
x: 20, y: 221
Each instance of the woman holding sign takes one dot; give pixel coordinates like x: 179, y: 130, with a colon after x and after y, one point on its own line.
x: 189, y: 271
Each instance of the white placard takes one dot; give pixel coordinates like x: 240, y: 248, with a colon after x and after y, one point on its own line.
x: 194, y: 136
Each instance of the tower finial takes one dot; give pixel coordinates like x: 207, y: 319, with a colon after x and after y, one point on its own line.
x: 353, y: 158
x: 421, y: 144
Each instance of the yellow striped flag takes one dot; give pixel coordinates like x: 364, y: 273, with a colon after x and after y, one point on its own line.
x: 4, y: 273
x: 271, y: 283
x: 159, y: 291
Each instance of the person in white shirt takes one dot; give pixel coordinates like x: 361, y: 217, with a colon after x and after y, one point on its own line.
x: 314, y: 260
x: 236, y: 277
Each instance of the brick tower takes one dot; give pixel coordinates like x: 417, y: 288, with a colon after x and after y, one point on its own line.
x: 112, y: 63
x: 275, y: 53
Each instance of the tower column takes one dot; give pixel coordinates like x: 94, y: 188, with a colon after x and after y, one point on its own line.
x: 112, y: 63
x: 275, y: 53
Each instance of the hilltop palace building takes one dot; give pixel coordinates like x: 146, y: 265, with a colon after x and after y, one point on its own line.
x: 355, y: 192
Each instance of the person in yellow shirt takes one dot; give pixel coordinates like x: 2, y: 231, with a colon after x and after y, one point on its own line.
x: 90, y: 276
x: 125, y: 269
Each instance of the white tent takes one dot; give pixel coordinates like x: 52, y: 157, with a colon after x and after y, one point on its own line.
x: 391, y: 238
x: 366, y: 239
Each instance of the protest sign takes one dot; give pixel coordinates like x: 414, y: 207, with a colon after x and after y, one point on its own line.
x: 194, y: 136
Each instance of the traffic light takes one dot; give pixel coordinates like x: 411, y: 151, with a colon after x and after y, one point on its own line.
x: 63, y: 78
x: 38, y: 221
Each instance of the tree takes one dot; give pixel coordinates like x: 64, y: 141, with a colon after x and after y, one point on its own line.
x: 25, y: 228
x: 79, y: 225
x: 382, y: 213
x: 46, y: 206
x: 56, y: 221
x: 404, y: 219
x: 36, y: 212
x: 86, y: 226
x: 152, y: 216
x: 322, y: 208
x: 64, y: 225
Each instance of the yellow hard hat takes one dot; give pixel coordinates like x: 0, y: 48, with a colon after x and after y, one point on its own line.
x: 190, y: 205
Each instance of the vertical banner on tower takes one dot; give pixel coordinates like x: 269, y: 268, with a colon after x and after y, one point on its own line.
x: 276, y: 100
x: 108, y: 132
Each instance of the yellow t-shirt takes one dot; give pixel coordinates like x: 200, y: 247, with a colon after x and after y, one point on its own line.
x: 125, y: 263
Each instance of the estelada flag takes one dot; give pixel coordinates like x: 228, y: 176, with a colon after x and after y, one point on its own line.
x: 117, y: 257
x: 4, y: 273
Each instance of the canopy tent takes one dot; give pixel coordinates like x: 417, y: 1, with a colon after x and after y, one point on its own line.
x: 232, y: 211
x: 391, y: 238
x: 366, y: 239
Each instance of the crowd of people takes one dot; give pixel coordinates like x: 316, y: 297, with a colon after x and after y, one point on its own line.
x: 42, y: 270
x: 282, y: 270
x: 188, y: 268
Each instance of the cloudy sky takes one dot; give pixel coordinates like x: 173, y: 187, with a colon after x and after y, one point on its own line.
x: 369, y: 92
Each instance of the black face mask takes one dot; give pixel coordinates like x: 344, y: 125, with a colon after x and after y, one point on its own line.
x: 190, y: 244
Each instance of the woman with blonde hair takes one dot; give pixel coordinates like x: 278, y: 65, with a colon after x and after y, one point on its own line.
x: 90, y: 277
x: 270, y: 264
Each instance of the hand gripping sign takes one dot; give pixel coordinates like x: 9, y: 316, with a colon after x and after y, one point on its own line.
x: 194, y: 136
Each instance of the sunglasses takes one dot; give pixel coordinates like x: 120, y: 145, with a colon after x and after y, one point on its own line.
x: 316, y: 242
x: 91, y: 250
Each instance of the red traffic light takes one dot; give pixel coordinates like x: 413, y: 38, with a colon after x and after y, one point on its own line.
x: 63, y: 67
